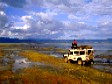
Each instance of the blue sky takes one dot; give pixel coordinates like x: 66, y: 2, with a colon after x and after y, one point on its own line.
x: 56, y: 19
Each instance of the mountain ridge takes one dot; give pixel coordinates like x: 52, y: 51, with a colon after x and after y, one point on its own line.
x: 16, y: 40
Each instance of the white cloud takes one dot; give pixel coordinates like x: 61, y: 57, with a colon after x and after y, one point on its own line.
x: 2, y: 13
x: 98, y: 7
x: 26, y: 18
x: 78, y: 17
x: 25, y: 26
x: 46, y: 16
x: 81, y: 19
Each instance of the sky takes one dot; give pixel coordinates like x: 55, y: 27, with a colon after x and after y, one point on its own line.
x: 56, y: 19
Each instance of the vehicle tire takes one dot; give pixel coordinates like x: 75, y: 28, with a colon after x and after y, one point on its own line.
x: 66, y: 60
x: 79, y: 62
x: 91, y: 62
x: 83, y: 63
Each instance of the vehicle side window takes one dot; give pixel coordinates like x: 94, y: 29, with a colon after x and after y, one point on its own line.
x: 82, y: 53
x: 71, y: 53
x: 76, y: 52
x: 89, y: 51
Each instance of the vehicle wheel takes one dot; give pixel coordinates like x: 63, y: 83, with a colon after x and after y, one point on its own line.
x: 83, y: 63
x: 66, y: 60
x: 79, y: 62
x: 92, y: 62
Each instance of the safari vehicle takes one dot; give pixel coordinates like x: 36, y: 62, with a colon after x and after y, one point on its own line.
x: 82, y: 55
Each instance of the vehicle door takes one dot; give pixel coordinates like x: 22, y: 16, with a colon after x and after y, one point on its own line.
x: 83, y: 54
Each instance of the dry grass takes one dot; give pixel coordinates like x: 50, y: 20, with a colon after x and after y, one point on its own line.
x: 37, y: 75
x: 106, y: 56
x: 6, y: 75
x: 40, y: 76
x: 85, y: 74
x: 57, y: 50
x: 57, y: 72
x: 61, y: 51
x: 39, y: 57
x: 1, y: 53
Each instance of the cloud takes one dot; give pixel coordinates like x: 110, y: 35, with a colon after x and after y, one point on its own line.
x: 57, y: 19
x: 14, y: 3
x: 45, y: 26
x: 3, y: 19
x: 98, y: 7
x: 2, y: 5
x: 46, y: 16
x: 76, y: 6
x: 42, y: 28
x: 58, y: 5
x: 3, y: 16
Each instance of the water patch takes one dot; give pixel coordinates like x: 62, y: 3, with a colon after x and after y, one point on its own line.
x: 7, y: 60
x: 52, y: 53
x: 102, y: 60
x: 103, y: 67
x: 56, y: 55
x: 21, y: 62
x: 17, y: 62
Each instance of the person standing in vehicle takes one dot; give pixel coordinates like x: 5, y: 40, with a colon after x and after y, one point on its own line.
x: 74, y: 44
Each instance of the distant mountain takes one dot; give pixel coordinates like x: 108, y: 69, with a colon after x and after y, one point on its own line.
x: 109, y: 39
x: 30, y: 40
x: 14, y: 40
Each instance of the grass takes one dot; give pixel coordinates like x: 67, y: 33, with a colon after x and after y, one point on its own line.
x: 108, y: 57
x: 1, y: 53
x: 74, y: 72
x: 49, y: 75
x: 41, y: 76
x: 39, y: 57
x: 55, y: 71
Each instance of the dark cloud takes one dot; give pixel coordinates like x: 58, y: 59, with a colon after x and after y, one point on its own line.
x: 3, y: 20
x: 6, y: 20
x: 3, y: 16
x: 36, y: 2
x: 2, y: 6
x: 14, y: 3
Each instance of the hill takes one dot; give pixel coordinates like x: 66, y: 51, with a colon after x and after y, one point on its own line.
x: 14, y: 40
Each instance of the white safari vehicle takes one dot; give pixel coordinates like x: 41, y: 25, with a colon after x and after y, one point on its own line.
x: 82, y: 55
